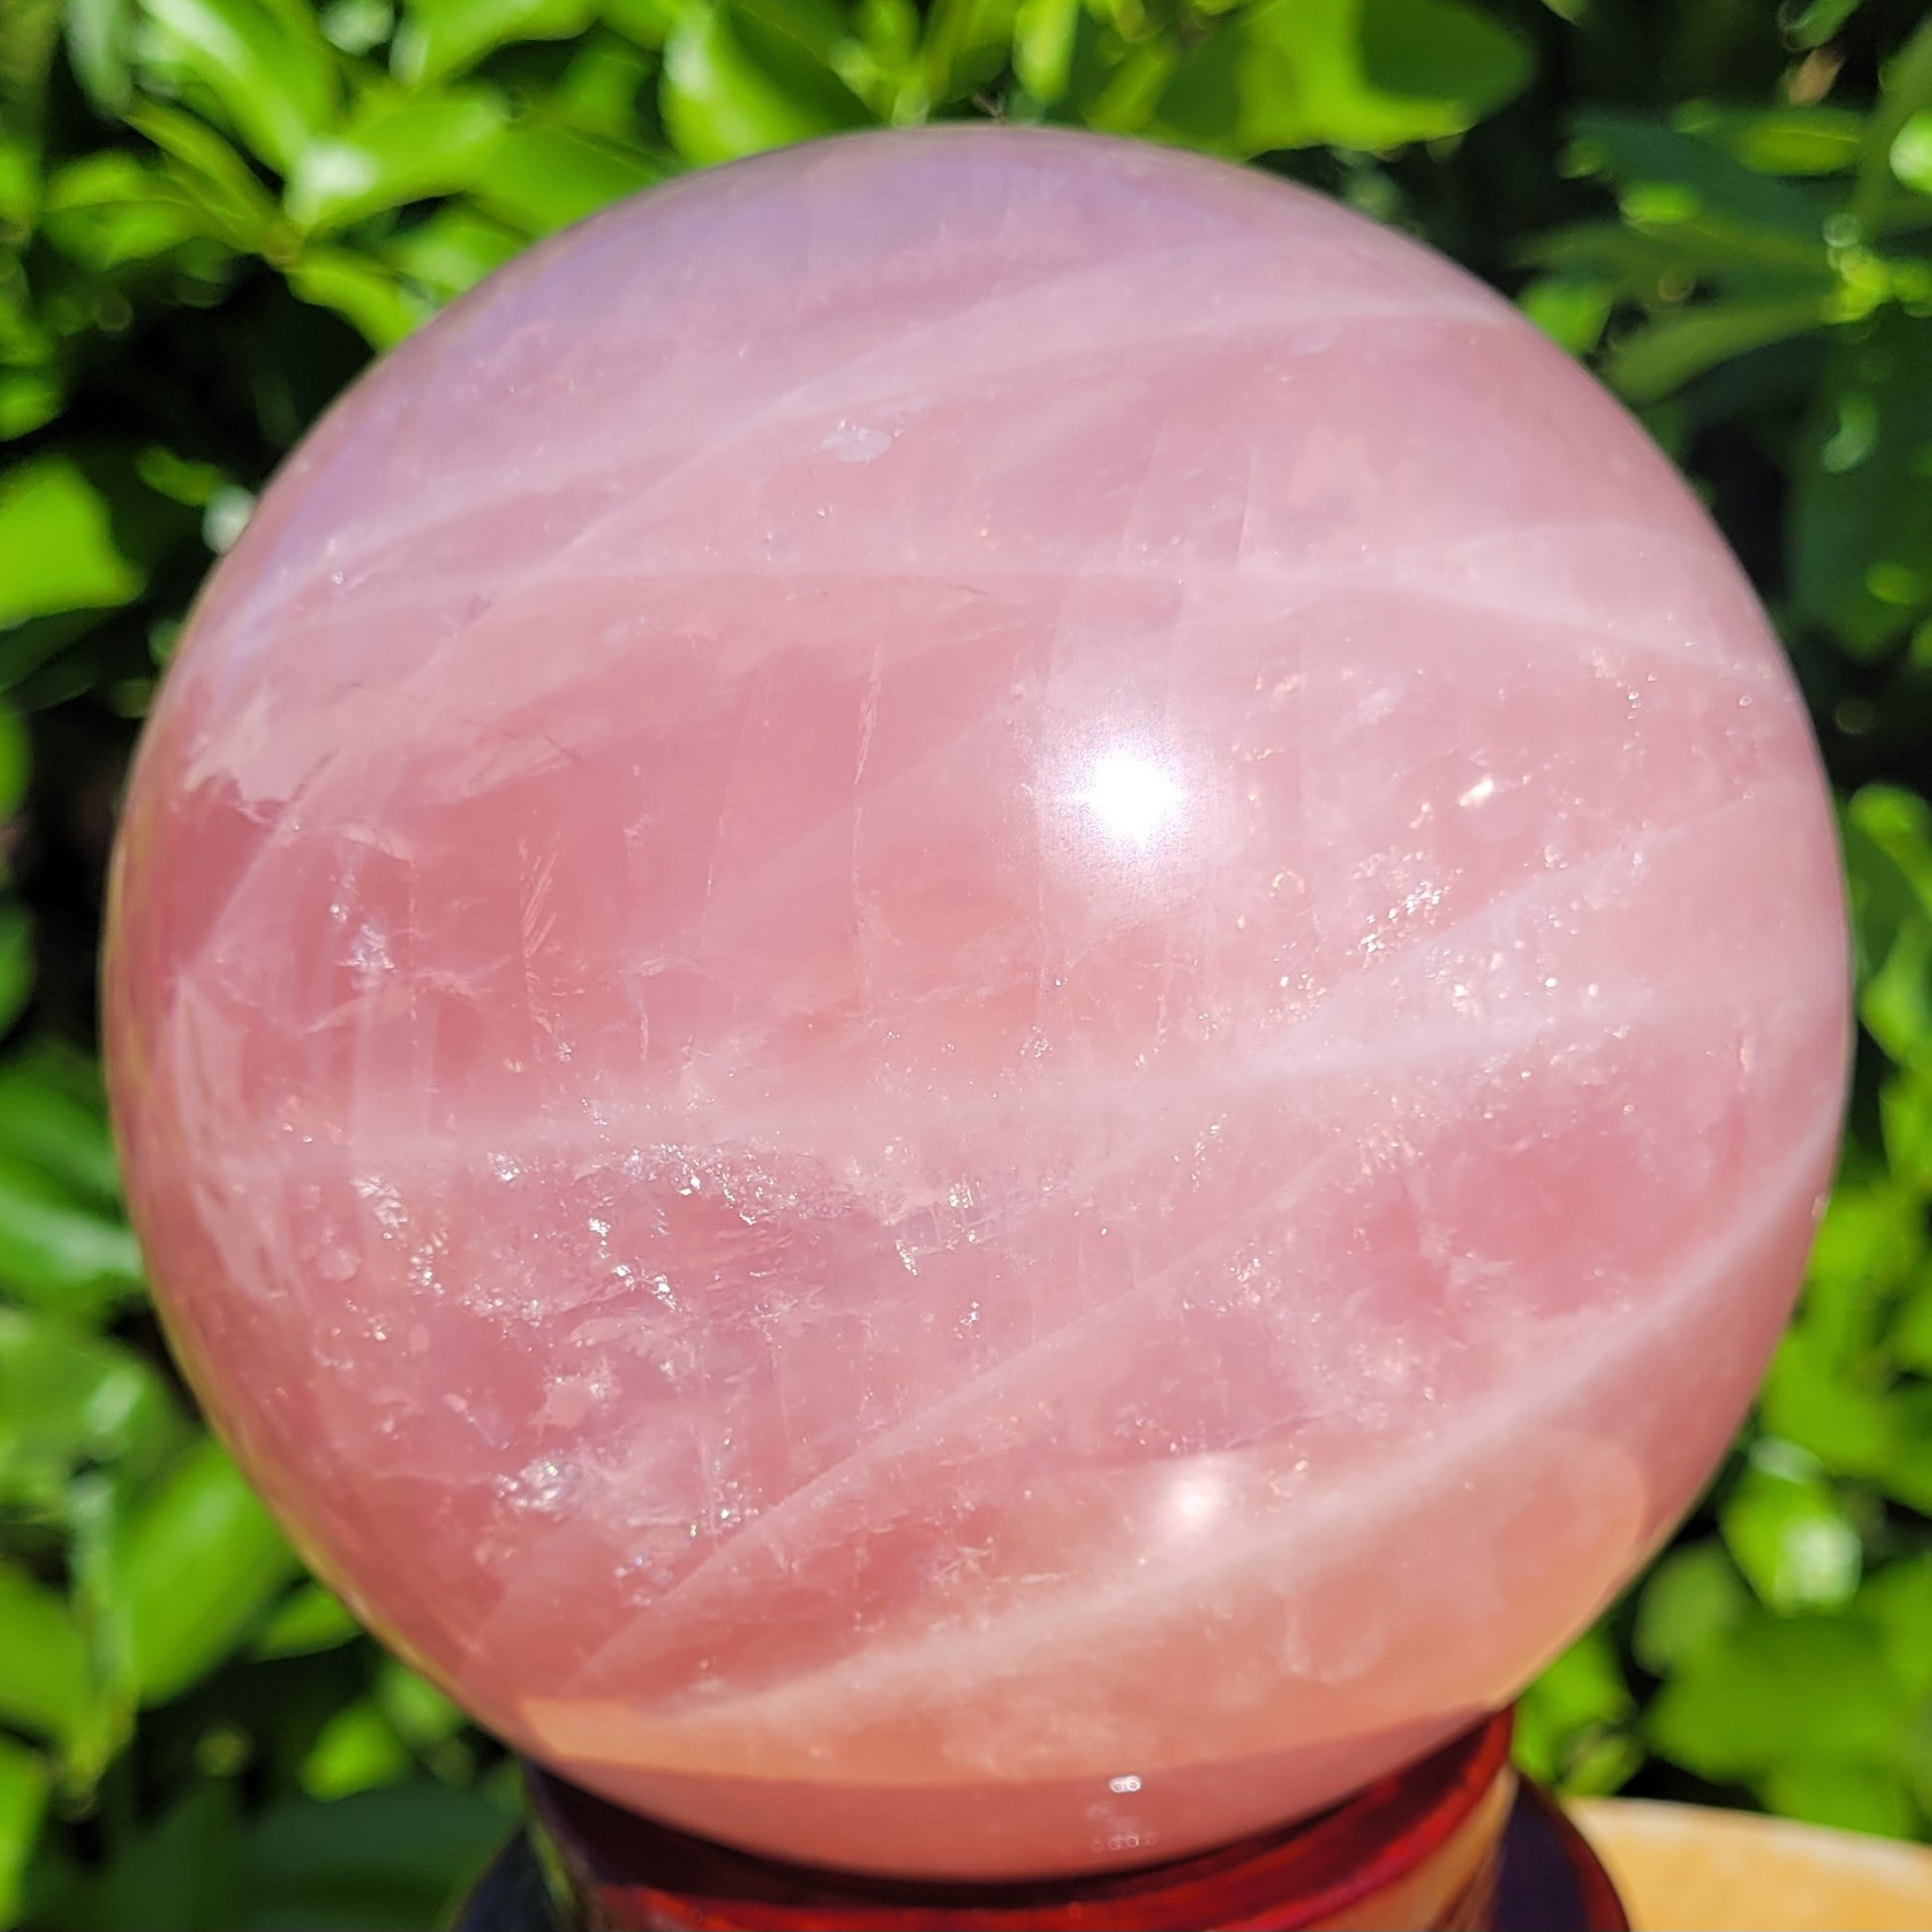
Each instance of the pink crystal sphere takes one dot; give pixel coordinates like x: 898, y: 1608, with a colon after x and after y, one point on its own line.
x: 975, y: 1000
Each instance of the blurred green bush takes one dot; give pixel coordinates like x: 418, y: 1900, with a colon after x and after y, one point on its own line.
x: 212, y: 211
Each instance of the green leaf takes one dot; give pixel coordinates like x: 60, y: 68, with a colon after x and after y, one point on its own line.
x: 1887, y: 839
x: 357, y: 1750
x: 1354, y: 74
x: 1781, y: 140
x: 421, y: 1715
x: 56, y: 544
x: 393, y: 152
x: 59, y: 1251
x: 45, y: 1683
x: 24, y: 1785
x: 966, y: 45
x: 1692, y: 1600
x: 1911, y: 1336
x: 28, y: 399
x: 16, y: 756
x: 1898, y: 1601
x: 1814, y: 22
x: 644, y: 23
x: 1860, y: 503
x: 30, y: 32
x: 357, y: 26
x: 180, y: 1874
x: 361, y: 291
x: 70, y: 1398
x: 1660, y: 263
x: 601, y: 90
x: 1907, y: 1476
x: 1044, y: 34
x: 268, y: 68
x: 1776, y: 1693
x: 53, y: 1114
x: 1906, y: 90
x: 197, y: 1568
x: 1570, y: 309
x: 1668, y: 177
x: 310, y: 1619
x: 542, y: 177
x: 734, y: 83
x: 1658, y: 359
x: 1572, y: 1722
x: 452, y: 251
x: 441, y: 38
x: 1850, y: 1797
x: 1830, y: 1410
x: 1911, y: 153
x: 110, y: 208
x: 1456, y: 61
x: 1792, y: 1540
x: 99, y: 34
x: 393, y: 1857
x: 231, y: 202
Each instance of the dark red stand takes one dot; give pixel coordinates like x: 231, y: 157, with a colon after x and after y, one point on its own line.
x: 1452, y: 1844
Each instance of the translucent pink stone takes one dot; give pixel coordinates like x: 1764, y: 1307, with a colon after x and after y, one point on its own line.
x: 977, y: 1000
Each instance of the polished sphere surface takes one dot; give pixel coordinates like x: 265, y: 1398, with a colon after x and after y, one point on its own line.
x: 975, y: 1000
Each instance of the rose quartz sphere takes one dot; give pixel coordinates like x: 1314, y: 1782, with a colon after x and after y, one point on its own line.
x: 976, y: 1001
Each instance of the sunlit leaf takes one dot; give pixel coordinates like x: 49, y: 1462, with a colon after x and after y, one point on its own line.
x: 440, y: 38
x: 392, y: 151
x: 1360, y: 73
x: 308, y: 1620
x: 237, y: 206
x: 25, y: 1780
x: 1905, y: 91
x: 99, y: 34
x: 1850, y: 1797
x: 268, y: 68
x: 365, y: 294
x: 59, y: 1249
x: 1693, y: 1599
x: 1781, y: 140
x: 109, y: 209
x: 357, y: 1750
x: 543, y: 176
x: 197, y: 1568
x: 1573, y: 1724
x: 1898, y: 1601
x: 602, y: 90
x: 1043, y: 33
x: 1570, y: 308
x: 44, y: 1680
x: 1777, y: 1692
x: 69, y: 1398
x: 453, y: 251
x: 1792, y: 1540
x: 58, y: 550
x: 1912, y: 152
x: 735, y: 83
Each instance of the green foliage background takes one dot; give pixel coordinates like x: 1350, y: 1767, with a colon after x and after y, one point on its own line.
x: 212, y: 211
